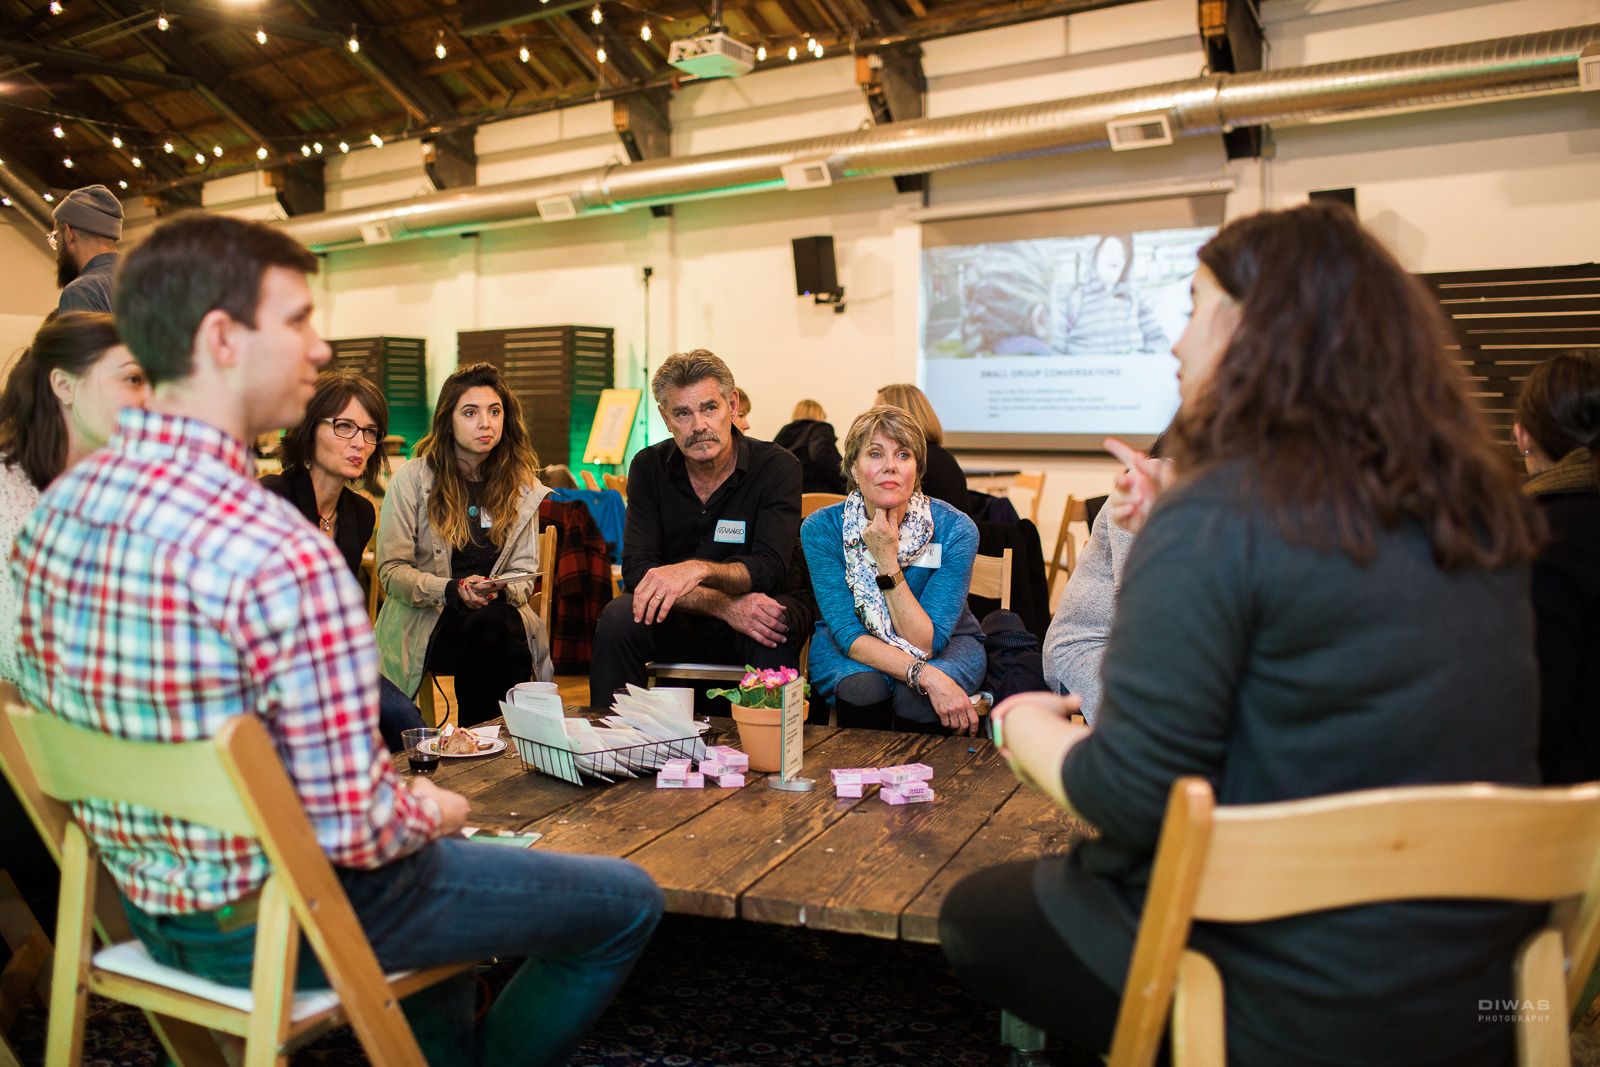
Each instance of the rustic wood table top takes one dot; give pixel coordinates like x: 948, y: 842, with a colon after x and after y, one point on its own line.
x: 796, y: 859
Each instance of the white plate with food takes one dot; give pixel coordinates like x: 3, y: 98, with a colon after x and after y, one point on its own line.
x: 486, y: 741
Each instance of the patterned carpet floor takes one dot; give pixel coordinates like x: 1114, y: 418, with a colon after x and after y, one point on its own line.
x: 774, y: 996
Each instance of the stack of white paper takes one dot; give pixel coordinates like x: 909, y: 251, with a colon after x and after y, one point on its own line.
x: 567, y: 747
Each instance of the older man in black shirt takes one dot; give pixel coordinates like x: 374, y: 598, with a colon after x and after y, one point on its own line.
x: 711, y: 552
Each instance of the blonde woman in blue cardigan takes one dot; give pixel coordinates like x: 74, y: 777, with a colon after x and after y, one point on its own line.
x: 896, y: 646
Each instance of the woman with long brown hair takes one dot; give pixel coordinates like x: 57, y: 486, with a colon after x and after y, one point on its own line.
x: 59, y: 404
x: 1331, y: 597
x: 463, y: 511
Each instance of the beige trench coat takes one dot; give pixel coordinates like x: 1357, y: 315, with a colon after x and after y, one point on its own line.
x: 414, y: 569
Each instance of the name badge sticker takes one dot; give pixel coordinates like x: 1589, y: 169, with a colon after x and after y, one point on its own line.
x: 932, y: 556
x: 729, y: 532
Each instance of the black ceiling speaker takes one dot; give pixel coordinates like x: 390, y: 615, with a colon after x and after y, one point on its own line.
x: 1347, y: 197
x: 814, y: 272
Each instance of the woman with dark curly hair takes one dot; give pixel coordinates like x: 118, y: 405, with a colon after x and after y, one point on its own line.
x: 1331, y: 597
x: 464, y: 510
x: 1558, y: 433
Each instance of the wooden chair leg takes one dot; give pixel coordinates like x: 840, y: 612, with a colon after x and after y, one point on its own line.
x: 272, y: 981
x: 69, y: 987
x: 1542, y: 996
x: 31, y: 953
x: 1199, y: 1034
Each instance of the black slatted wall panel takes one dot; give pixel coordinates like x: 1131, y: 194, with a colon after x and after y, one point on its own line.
x: 399, y: 366
x: 557, y: 373
x: 1507, y: 321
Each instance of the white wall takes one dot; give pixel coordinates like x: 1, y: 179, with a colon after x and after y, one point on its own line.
x: 29, y: 292
x: 1505, y: 184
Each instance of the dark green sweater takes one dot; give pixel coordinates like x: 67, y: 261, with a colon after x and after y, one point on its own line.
x: 1278, y: 672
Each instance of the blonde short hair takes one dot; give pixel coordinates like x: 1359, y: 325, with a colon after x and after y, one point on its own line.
x: 744, y: 400
x: 809, y: 409
x: 908, y: 397
x: 895, y: 423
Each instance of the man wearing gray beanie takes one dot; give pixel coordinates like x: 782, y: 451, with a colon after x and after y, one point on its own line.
x: 88, y: 227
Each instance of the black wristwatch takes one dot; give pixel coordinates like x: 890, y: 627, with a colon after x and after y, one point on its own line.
x: 887, y: 582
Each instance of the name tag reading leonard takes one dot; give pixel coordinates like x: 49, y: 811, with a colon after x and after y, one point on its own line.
x: 729, y: 532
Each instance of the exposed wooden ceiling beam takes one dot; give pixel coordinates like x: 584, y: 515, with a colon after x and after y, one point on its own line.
x: 76, y: 60
x: 486, y: 16
x: 387, y: 64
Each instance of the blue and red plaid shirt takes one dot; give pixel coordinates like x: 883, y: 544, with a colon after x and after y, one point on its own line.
x: 164, y: 591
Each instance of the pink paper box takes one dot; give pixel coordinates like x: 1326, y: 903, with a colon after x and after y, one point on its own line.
x: 854, y: 776
x: 729, y: 757
x: 688, y: 781
x: 730, y: 781
x: 906, y: 772
x: 908, y: 793
x: 713, y: 767
x: 674, y: 770
x: 847, y: 790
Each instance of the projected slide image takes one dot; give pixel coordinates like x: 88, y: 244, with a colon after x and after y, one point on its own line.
x: 1057, y: 335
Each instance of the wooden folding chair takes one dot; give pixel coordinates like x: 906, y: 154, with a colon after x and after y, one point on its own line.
x: 588, y: 479
x: 619, y: 482
x: 810, y: 502
x: 1033, y: 482
x: 1253, y: 863
x: 234, y: 783
x: 1065, y: 557
x: 991, y: 578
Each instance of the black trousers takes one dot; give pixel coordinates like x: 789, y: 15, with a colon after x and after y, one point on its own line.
x: 622, y: 647
x: 486, y: 651
x: 1000, y: 943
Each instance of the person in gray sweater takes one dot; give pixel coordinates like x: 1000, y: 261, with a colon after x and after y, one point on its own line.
x: 1332, y: 596
x: 1077, y: 636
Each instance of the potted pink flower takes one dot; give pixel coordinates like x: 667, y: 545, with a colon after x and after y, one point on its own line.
x: 758, y: 710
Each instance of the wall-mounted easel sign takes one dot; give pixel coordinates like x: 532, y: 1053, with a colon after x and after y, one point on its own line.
x: 613, y: 424
x: 793, y: 754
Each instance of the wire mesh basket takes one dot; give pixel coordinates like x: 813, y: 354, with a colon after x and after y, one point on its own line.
x: 606, y: 764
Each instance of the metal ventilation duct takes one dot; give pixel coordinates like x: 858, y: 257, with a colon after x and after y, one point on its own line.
x: 1327, y: 92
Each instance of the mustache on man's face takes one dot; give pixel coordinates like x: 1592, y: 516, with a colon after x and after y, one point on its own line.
x: 706, y: 437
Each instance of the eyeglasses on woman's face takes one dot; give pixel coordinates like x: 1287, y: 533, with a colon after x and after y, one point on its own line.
x: 347, y: 429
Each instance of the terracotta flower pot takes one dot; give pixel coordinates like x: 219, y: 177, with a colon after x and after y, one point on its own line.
x: 761, y: 736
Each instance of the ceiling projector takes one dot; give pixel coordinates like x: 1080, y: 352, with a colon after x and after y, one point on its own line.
x: 712, y: 55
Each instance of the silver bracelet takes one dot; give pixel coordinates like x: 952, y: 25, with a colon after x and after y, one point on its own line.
x: 914, y: 677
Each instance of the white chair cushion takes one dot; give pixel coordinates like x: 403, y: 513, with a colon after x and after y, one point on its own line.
x: 132, y: 960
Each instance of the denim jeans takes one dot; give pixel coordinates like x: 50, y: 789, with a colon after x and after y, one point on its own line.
x: 397, y: 713
x: 580, y: 921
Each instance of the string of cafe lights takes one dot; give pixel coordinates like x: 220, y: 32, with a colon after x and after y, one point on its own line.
x: 141, y: 142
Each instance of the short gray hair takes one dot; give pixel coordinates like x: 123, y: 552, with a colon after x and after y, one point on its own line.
x: 683, y: 369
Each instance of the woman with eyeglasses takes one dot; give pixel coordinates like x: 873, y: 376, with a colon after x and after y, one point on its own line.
x: 335, y: 444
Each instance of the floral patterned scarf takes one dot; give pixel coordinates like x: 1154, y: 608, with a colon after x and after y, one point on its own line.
x: 861, y: 569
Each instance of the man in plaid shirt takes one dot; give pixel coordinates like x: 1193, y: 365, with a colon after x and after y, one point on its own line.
x: 164, y: 591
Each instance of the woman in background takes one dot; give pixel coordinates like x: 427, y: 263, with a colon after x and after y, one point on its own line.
x: 464, y: 509
x: 811, y: 438
x: 1104, y: 315
x: 942, y: 478
x: 1331, y: 597
x: 335, y: 444
x: 896, y: 644
x: 60, y: 403
x: 741, y: 414
x: 1558, y: 432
